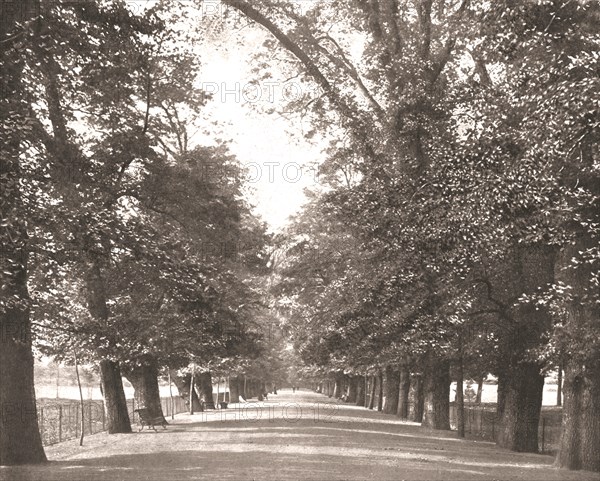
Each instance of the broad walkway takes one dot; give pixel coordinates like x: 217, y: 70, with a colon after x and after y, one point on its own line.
x: 292, y: 436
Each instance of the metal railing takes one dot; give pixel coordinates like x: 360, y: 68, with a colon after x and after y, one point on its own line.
x: 482, y: 422
x: 60, y: 420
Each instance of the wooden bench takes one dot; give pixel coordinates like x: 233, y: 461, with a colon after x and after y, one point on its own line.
x: 147, y: 420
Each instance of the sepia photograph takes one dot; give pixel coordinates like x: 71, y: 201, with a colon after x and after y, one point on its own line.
x: 299, y: 240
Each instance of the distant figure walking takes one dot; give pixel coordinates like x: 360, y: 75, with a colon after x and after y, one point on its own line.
x: 293, y: 388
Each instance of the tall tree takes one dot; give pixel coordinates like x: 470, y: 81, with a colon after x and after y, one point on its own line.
x: 20, y: 440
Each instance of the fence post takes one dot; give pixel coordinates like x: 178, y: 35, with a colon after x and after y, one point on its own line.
x: 481, y: 422
x: 76, y: 420
x: 103, y: 417
x: 171, y: 398
x: 90, y: 418
x: 60, y: 415
x: 469, y: 418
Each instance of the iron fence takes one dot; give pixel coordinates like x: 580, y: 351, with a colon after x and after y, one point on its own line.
x: 482, y: 422
x: 60, y: 419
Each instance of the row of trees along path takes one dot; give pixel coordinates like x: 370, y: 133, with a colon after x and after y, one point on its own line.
x: 457, y: 234
x: 124, y: 245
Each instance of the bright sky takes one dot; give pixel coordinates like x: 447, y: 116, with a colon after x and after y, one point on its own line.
x: 272, y: 148
x: 278, y: 157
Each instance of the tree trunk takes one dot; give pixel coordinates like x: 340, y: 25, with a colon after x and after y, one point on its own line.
x: 145, y: 383
x: 192, y: 391
x: 248, y: 388
x: 353, y: 383
x: 256, y: 388
x: 392, y: 390
x: 403, y: 392
x: 183, y: 387
x: 204, y: 383
x: 559, y: 382
x: 580, y: 440
x: 360, y: 390
x: 479, y: 389
x: 532, y: 269
x: 81, y: 404
x: 115, y: 405
x: 337, y: 389
x: 521, y: 409
x: 460, y: 401
x: 234, y: 390
x: 579, y: 446
x: 501, y: 395
x: 380, y: 393
x: 418, y: 399
x: 372, y: 392
x: 20, y: 440
x: 436, y: 414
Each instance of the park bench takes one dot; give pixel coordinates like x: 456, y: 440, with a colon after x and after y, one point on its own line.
x: 147, y: 420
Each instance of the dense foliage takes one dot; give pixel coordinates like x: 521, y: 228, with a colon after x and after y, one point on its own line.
x: 456, y: 229
x: 460, y: 215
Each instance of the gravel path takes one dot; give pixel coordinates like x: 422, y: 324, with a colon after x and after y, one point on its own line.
x: 292, y: 436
